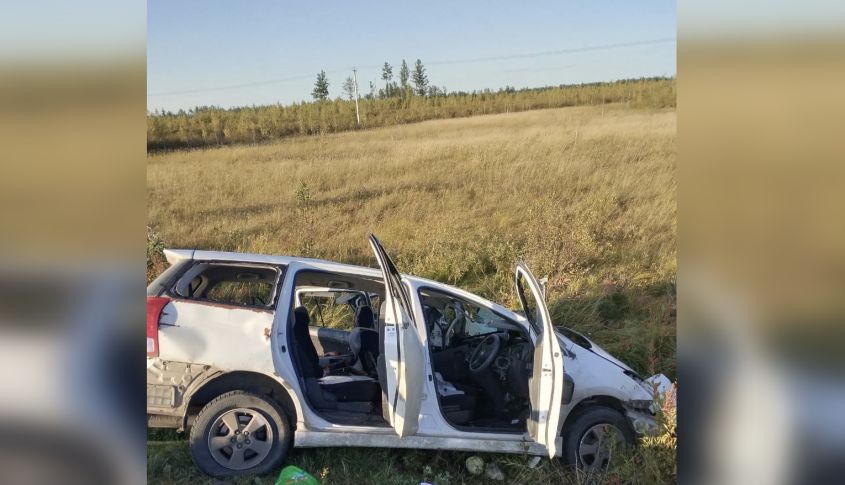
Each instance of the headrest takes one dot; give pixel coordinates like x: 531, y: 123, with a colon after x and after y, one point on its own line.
x: 364, y: 317
x: 433, y: 314
x: 300, y: 317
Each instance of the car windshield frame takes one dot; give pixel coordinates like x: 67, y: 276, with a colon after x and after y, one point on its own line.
x: 533, y: 320
x: 475, y: 302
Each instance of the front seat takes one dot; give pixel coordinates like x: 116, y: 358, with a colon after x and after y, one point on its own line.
x: 330, y: 391
x: 364, y: 317
x: 363, y: 340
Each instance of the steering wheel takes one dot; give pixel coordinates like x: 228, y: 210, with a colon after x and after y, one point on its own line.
x: 485, y: 353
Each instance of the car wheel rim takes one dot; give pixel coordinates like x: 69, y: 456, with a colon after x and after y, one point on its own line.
x: 597, y: 446
x: 240, y: 439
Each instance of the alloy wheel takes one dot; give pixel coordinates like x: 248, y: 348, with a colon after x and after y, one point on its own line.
x: 240, y: 438
x: 597, y: 446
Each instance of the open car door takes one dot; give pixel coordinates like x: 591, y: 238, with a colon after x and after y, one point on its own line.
x: 545, y: 387
x: 404, y: 364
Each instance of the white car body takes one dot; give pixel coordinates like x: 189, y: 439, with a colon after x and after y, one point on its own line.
x: 200, y: 342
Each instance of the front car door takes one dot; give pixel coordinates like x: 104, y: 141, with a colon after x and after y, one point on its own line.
x: 545, y: 386
x: 404, y: 364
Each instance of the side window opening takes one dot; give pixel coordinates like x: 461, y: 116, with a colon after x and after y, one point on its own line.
x: 334, y: 309
x: 230, y: 284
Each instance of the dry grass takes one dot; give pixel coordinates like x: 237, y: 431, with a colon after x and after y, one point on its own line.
x: 586, y: 195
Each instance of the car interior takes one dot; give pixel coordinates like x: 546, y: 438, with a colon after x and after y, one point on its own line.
x: 341, y: 381
x: 482, y: 361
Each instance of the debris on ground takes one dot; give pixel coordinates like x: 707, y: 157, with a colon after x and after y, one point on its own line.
x: 493, y: 472
x: 475, y: 465
x: 533, y: 462
x: 292, y: 475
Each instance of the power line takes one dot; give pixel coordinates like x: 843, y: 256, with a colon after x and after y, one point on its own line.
x: 245, y: 85
x: 556, y: 52
x: 434, y: 63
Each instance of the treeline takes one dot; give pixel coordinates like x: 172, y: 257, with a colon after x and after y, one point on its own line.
x: 211, y: 126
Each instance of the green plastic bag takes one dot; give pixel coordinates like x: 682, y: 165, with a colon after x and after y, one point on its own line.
x: 294, y: 475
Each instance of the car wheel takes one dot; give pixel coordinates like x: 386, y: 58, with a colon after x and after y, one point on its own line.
x: 595, y: 435
x: 239, y: 432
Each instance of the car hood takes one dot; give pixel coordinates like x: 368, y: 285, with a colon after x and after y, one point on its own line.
x: 589, y: 345
x: 656, y: 384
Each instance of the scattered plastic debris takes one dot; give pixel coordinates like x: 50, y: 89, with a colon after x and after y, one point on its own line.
x: 475, y: 465
x: 493, y: 472
x: 292, y: 475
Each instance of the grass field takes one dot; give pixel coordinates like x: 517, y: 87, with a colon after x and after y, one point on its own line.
x: 585, y: 195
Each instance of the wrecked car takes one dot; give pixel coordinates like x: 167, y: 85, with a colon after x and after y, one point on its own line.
x: 255, y: 354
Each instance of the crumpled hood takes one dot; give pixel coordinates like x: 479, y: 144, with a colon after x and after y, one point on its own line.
x: 655, y: 385
x: 594, y: 347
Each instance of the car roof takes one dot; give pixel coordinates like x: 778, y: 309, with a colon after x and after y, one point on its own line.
x: 175, y: 255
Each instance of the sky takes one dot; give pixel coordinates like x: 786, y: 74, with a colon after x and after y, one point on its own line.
x: 228, y: 53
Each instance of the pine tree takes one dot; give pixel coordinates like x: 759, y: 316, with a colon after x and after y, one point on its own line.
x: 420, y: 78
x: 404, y: 74
x: 349, y: 88
x: 321, y: 87
x: 387, y: 76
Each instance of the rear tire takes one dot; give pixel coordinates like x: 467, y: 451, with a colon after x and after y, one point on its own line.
x: 586, y: 439
x: 238, y: 433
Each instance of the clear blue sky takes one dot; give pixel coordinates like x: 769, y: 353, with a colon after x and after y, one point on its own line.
x: 198, y: 50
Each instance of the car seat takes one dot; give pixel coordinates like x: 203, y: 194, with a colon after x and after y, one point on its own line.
x: 331, y: 392
x: 363, y: 340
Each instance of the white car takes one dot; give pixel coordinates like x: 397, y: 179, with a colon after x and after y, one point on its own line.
x: 260, y: 353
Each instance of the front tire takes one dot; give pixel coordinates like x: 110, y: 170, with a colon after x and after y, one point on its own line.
x: 238, y: 433
x: 594, y: 436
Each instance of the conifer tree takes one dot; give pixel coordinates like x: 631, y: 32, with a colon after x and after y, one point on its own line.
x: 404, y: 74
x: 420, y: 78
x: 387, y: 76
x: 321, y: 87
x: 349, y: 88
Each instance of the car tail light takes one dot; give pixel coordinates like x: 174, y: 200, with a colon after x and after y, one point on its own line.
x: 155, y: 305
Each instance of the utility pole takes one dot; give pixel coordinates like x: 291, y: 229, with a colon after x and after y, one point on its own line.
x: 355, y: 77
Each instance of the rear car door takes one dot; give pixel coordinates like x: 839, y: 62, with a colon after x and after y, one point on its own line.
x: 545, y: 386
x: 221, y: 323
x: 402, y: 349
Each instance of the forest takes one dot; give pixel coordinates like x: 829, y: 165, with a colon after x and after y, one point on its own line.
x: 394, y: 104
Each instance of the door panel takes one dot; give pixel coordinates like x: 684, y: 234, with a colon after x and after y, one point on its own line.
x: 224, y: 336
x: 545, y: 386
x: 402, y: 349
